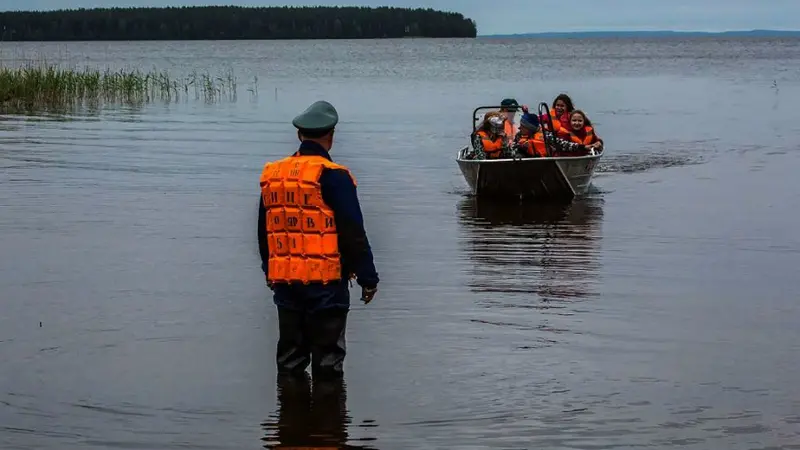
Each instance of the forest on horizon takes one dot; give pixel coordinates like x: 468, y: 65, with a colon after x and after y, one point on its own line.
x: 233, y: 22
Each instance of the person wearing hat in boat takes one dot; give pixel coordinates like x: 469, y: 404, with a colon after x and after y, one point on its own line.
x: 530, y: 140
x: 509, y: 107
x: 312, y: 242
x: 490, y: 141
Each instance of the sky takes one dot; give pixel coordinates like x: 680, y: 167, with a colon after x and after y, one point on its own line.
x: 530, y: 16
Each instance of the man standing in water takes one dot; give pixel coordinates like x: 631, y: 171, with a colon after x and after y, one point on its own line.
x: 312, y: 242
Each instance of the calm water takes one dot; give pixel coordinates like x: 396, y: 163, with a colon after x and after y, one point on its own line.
x: 660, y: 312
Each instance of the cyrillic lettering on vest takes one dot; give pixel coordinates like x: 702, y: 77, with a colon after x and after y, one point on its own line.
x: 301, y: 230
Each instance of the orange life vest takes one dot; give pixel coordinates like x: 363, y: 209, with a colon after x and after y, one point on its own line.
x: 301, y: 230
x: 492, y: 148
x: 533, y: 145
x: 558, y: 124
x: 588, y: 139
x: 510, y: 128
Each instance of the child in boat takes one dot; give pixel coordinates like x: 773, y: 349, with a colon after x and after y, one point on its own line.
x: 490, y: 141
x: 560, y: 115
x: 530, y: 141
x: 582, y: 132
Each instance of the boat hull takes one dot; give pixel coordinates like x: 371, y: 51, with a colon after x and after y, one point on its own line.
x: 543, y: 178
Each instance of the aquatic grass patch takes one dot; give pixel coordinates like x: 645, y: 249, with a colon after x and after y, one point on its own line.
x: 44, y: 87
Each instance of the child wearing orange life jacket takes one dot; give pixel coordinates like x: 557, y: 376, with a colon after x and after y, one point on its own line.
x: 559, y: 114
x: 490, y: 141
x: 530, y: 140
x: 582, y: 132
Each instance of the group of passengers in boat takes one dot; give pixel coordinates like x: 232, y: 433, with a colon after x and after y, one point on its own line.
x: 572, y: 133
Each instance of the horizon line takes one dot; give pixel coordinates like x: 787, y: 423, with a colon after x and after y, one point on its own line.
x: 628, y: 31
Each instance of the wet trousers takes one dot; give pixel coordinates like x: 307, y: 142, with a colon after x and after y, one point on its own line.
x: 312, y: 338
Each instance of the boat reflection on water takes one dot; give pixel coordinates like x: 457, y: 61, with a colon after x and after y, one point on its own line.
x: 311, y: 415
x: 547, y: 249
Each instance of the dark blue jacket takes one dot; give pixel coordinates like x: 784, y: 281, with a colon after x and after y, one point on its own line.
x: 339, y: 193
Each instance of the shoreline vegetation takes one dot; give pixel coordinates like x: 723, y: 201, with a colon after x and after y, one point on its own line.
x: 232, y: 22
x: 34, y: 88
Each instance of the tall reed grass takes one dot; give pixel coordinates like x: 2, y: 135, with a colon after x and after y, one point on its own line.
x: 49, y: 87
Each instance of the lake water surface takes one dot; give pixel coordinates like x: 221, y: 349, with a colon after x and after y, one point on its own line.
x: 661, y: 311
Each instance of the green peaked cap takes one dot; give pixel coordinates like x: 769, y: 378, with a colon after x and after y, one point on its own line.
x: 510, y: 104
x: 320, y: 116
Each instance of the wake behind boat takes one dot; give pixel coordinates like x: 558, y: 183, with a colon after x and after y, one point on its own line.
x: 548, y: 177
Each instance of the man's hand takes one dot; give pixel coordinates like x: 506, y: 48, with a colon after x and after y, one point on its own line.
x: 367, y: 294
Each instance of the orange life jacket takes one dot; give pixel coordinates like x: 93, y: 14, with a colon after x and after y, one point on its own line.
x: 588, y: 139
x: 533, y: 145
x: 301, y: 230
x: 492, y: 148
x: 510, y: 128
x: 558, y: 123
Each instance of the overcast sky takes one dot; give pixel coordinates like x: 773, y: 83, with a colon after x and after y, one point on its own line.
x: 520, y: 16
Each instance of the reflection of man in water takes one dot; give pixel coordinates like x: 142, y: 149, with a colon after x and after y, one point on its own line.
x: 309, y: 417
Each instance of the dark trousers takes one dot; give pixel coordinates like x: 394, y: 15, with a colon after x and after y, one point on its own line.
x: 317, y: 339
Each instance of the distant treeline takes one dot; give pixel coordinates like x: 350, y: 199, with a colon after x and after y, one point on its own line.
x: 231, y: 22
